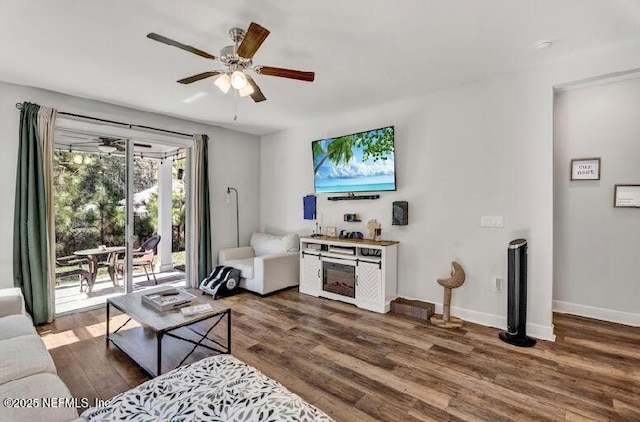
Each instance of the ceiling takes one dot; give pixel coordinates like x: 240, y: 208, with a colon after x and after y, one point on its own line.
x: 364, y: 52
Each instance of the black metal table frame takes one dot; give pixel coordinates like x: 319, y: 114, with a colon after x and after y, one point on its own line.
x: 168, y: 332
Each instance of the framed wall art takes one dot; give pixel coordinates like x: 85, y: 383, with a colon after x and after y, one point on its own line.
x: 585, y: 169
x: 626, y: 196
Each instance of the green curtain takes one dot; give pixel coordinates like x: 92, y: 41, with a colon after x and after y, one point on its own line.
x: 30, y: 271
x: 203, y: 220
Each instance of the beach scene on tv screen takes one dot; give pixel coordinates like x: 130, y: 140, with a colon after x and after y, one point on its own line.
x: 362, y: 162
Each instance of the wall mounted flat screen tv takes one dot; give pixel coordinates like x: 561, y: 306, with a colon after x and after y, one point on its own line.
x: 361, y: 162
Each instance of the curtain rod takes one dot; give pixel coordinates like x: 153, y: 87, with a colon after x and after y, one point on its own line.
x: 129, y: 125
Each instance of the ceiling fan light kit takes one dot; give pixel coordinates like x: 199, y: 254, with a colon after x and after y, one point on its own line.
x: 238, y: 62
x: 107, y: 149
x: 223, y: 82
x: 246, y: 91
x: 238, y: 79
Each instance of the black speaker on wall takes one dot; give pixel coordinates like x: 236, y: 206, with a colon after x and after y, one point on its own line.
x: 400, y: 213
x: 516, y: 333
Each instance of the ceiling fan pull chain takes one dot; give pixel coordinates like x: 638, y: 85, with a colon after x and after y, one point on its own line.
x: 235, y: 105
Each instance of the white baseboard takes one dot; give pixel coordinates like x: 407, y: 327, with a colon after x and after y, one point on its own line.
x: 538, y: 331
x: 542, y: 332
x: 626, y: 318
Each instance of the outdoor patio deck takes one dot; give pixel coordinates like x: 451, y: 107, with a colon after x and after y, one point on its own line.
x: 69, y: 298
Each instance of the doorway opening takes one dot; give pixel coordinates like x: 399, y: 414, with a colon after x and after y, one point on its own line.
x: 595, y: 149
x: 93, y: 216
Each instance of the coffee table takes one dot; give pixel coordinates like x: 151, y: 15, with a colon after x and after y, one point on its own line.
x: 181, y: 335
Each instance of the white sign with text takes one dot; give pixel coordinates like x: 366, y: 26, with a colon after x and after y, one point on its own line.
x: 627, y: 196
x: 585, y: 169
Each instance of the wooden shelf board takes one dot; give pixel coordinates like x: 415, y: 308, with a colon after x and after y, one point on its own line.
x: 364, y: 242
x: 140, y: 345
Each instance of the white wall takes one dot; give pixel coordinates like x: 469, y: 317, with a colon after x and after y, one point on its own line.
x: 596, y: 245
x: 485, y: 148
x: 234, y: 161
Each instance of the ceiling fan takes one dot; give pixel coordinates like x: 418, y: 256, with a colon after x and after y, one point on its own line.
x: 110, y: 145
x: 107, y: 144
x: 238, y: 61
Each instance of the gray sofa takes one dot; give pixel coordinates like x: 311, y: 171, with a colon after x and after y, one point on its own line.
x: 30, y: 388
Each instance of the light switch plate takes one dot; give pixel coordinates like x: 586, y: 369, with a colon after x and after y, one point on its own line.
x: 492, y: 221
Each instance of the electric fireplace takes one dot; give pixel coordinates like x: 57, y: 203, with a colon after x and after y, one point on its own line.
x: 339, y: 278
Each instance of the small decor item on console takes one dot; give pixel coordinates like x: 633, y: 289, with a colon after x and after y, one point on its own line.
x: 346, y: 250
x: 372, y: 226
x: 371, y: 252
x: 456, y: 280
x: 351, y: 218
x: 223, y: 281
x: 350, y: 235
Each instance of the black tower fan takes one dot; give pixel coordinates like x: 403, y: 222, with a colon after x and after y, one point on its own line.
x: 516, y: 333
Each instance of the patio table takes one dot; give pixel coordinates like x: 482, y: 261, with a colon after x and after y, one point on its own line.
x: 93, y: 254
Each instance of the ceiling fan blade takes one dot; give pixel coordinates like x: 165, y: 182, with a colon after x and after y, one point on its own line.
x: 257, y: 95
x: 198, y: 77
x: 169, y: 41
x: 286, y: 73
x: 122, y: 148
x: 107, y: 139
x: 253, y: 39
x: 85, y: 142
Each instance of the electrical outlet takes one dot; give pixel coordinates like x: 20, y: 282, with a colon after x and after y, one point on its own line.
x: 497, y: 284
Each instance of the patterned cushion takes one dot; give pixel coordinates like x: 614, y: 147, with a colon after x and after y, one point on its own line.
x: 219, y: 388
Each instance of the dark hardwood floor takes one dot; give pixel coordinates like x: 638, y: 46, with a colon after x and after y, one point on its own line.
x: 362, y: 366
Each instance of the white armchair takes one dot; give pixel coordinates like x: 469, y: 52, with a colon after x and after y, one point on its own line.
x: 270, y: 263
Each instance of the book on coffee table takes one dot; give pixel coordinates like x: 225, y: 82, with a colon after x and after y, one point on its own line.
x: 196, y: 309
x: 168, y: 299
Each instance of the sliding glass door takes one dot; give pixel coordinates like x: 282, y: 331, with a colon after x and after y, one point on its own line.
x: 121, y: 209
x: 159, y: 209
x: 89, y: 190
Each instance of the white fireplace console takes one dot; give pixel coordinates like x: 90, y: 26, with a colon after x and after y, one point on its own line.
x: 362, y: 272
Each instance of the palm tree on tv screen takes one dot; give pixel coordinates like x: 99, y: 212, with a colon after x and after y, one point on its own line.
x: 376, y: 144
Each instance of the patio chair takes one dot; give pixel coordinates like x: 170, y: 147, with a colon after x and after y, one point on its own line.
x: 83, y: 275
x: 144, y: 256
